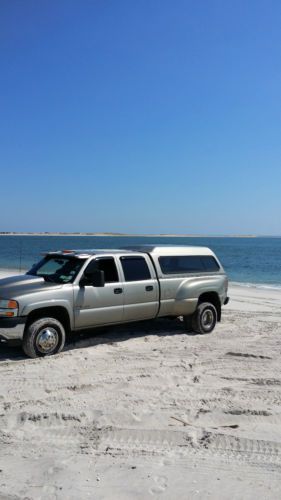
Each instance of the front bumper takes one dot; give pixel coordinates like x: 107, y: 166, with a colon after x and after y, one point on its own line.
x: 12, y: 328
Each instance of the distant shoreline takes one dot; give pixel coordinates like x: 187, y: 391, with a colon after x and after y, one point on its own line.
x: 113, y: 235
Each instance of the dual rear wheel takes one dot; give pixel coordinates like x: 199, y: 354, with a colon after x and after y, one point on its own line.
x: 203, y: 320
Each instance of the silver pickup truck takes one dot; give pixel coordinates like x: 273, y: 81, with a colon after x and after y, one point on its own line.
x: 73, y: 290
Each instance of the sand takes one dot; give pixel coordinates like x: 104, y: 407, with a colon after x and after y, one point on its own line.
x: 146, y: 411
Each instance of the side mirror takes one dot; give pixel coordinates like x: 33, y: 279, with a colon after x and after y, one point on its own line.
x: 94, y: 278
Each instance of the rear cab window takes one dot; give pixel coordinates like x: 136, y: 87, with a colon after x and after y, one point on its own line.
x: 135, y: 268
x: 182, y: 264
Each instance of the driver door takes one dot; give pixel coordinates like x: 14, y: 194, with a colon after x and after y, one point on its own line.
x: 100, y: 305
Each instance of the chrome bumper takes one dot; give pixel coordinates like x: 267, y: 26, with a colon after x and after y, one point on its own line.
x: 12, y: 328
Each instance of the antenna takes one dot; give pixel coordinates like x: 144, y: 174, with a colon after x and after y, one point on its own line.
x: 20, y: 256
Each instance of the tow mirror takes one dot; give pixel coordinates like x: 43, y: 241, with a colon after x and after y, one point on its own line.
x: 94, y: 278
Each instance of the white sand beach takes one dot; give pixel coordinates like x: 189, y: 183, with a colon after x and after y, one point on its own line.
x: 146, y: 411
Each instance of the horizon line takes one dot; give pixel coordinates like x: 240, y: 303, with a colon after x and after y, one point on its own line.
x: 145, y: 235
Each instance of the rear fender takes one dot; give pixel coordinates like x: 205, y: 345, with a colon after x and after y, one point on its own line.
x: 189, y: 291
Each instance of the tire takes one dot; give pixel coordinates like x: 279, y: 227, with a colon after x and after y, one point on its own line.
x: 43, y: 337
x: 205, y: 318
x: 187, y: 322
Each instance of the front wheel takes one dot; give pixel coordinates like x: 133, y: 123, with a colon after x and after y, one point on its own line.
x: 205, y: 318
x: 43, y: 337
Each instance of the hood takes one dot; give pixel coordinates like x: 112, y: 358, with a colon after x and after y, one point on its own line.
x: 15, y: 286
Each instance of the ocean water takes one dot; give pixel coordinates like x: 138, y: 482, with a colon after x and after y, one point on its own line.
x: 254, y: 261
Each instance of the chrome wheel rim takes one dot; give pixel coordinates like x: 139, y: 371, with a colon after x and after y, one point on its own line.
x: 207, y: 319
x: 47, y: 340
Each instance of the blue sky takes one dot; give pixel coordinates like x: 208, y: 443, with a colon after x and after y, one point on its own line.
x: 141, y: 116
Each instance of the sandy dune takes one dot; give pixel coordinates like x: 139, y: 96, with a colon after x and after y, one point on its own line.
x: 146, y: 411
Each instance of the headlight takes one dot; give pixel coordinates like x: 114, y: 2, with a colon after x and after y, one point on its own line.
x: 8, y: 308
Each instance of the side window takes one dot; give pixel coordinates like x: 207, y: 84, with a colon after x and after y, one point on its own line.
x: 135, y: 269
x: 188, y: 264
x: 181, y: 264
x: 210, y: 264
x: 107, y: 265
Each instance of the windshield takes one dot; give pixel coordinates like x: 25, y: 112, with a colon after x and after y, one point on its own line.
x: 57, y: 269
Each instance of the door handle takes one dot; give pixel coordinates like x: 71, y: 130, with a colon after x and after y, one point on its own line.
x: 118, y: 290
x: 149, y: 288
